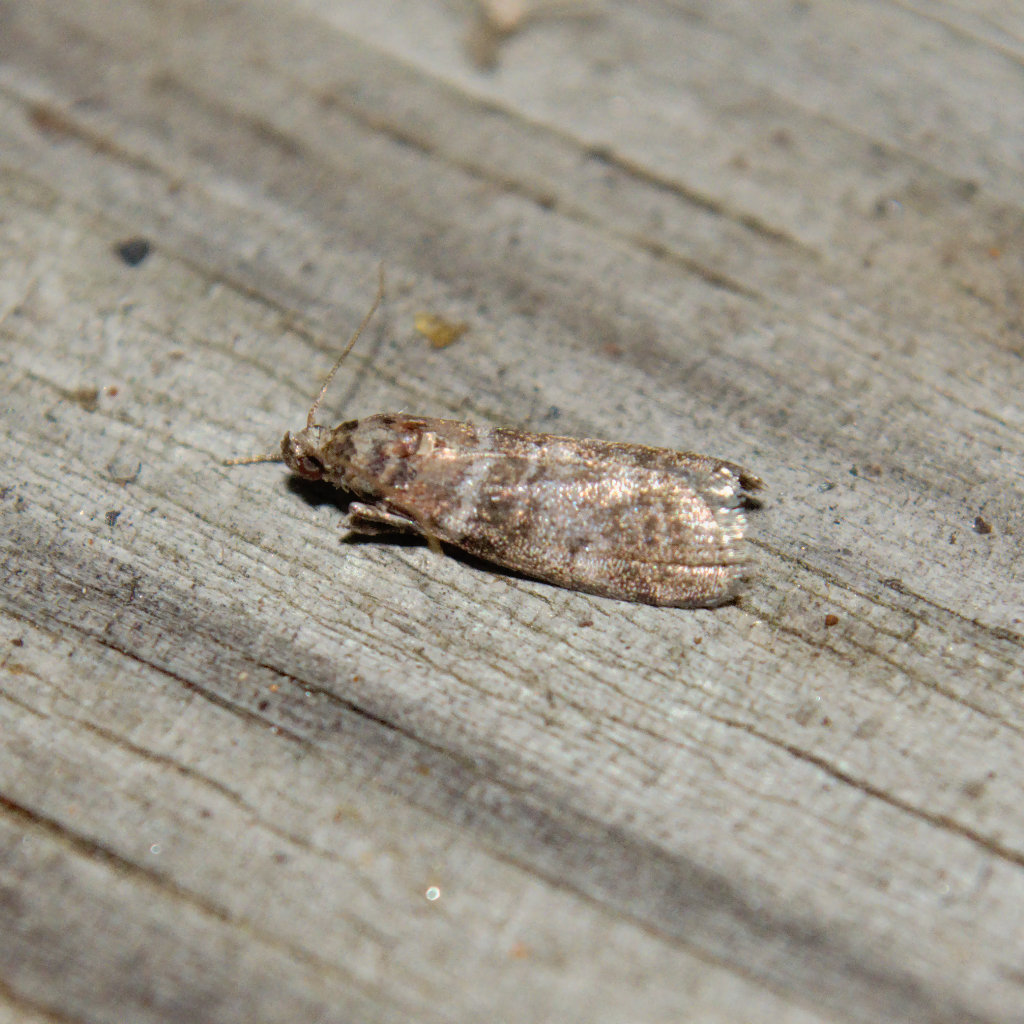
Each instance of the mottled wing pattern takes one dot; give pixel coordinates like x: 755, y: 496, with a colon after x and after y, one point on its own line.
x: 626, y: 521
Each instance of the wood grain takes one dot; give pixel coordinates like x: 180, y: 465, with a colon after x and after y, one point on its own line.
x: 238, y: 751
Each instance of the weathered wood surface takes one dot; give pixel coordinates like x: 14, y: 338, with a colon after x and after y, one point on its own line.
x: 237, y: 753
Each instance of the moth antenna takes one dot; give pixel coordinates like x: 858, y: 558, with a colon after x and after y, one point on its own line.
x: 248, y: 460
x: 348, y: 348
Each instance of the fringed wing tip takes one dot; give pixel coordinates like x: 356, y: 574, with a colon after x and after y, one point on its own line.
x: 750, y: 482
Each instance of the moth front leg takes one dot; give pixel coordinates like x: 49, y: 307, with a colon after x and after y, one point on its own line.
x: 370, y: 519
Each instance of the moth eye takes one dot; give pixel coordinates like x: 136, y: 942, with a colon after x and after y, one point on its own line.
x: 307, y: 466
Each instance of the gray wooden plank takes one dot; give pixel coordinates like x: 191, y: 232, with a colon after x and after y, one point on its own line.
x: 747, y: 812
x: 278, y: 878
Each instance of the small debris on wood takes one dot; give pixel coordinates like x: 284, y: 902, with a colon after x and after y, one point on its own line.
x: 124, y: 469
x: 86, y: 397
x: 438, y: 330
x: 133, y: 250
x: 497, y: 20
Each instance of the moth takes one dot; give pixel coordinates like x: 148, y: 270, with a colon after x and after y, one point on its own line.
x: 620, y: 520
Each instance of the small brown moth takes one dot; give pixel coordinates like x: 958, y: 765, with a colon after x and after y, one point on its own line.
x: 620, y: 520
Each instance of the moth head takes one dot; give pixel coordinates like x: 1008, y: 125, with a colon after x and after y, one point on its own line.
x: 303, y: 451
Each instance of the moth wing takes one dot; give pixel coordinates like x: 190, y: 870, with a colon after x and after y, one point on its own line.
x: 614, y: 524
x: 551, y: 450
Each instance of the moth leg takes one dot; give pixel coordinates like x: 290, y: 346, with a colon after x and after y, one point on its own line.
x: 370, y: 519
